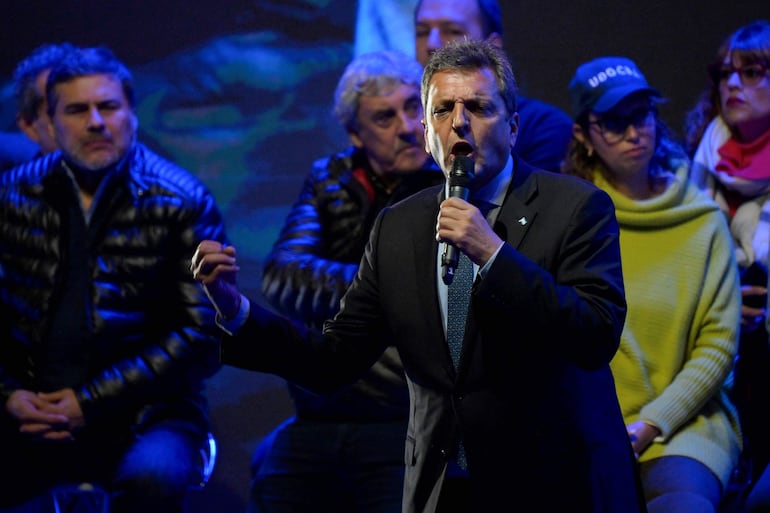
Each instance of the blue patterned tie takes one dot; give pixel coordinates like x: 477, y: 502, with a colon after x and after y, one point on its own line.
x: 458, y: 298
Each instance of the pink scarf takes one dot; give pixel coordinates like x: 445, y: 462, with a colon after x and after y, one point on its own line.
x: 750, y: 161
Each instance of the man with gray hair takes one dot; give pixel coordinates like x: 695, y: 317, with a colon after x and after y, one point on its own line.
x: 345, y: 453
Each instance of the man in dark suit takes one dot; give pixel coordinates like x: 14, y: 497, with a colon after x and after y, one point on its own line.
x: 529, y: 415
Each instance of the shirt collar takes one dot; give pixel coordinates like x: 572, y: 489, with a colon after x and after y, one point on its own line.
x: 494, y: 191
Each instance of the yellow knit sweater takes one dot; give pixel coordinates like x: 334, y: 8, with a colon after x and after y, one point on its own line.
x: 681, y: 333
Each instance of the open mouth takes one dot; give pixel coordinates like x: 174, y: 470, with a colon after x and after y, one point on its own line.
x: 462, y: 148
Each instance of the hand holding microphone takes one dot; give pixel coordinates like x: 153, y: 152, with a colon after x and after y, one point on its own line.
x: 460, y: 177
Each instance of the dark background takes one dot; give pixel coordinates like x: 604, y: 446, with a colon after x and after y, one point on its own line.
x: 239, y: 92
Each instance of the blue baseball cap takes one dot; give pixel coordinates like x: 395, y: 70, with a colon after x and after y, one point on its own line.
x: 600, y: 84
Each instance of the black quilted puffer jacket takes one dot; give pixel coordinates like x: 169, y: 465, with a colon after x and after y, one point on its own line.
x: 314, y: 261
x: 152, y: 341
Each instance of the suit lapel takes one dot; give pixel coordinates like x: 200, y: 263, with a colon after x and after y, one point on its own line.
x: 516, y: 217
x: 512, y: 223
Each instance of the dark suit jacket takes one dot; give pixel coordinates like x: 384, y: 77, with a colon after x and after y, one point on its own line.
x: 533, y: 397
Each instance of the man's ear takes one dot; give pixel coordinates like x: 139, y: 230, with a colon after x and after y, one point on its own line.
x: 514, y: 124
x: 355, y: 140
x: 496, y: 39
x: 425, y: 132
x: 27, y: 129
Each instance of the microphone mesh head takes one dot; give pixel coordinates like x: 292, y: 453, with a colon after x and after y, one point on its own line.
x: 461, y: 173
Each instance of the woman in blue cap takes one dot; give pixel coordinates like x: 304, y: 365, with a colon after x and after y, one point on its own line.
x: 682, y: 289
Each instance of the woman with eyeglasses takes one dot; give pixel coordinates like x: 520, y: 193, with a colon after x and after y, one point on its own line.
x: 728, y: 132
x: 682, y: 289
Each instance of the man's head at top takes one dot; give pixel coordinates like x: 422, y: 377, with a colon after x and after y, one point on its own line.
x: 91, y: 101
x: 29, y: 80
x: 439, y: 21
x: 469, y: 97
x: 377, y: 102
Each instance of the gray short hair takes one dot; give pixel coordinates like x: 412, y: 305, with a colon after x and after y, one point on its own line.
x: 372, y: 74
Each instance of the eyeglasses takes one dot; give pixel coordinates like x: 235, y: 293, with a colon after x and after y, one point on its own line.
x: 751, y: 74
x: 613, y: 128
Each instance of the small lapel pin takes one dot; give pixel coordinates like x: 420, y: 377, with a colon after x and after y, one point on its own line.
x: 523, y: 221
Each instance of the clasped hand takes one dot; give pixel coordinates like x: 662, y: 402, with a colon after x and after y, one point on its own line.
x: 53, y: 416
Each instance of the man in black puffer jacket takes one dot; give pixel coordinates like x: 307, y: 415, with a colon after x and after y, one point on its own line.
x: 105, y: 339
x: 345, y: 453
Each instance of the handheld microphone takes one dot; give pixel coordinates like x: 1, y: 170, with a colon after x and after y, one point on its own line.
x: 460, y: 177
